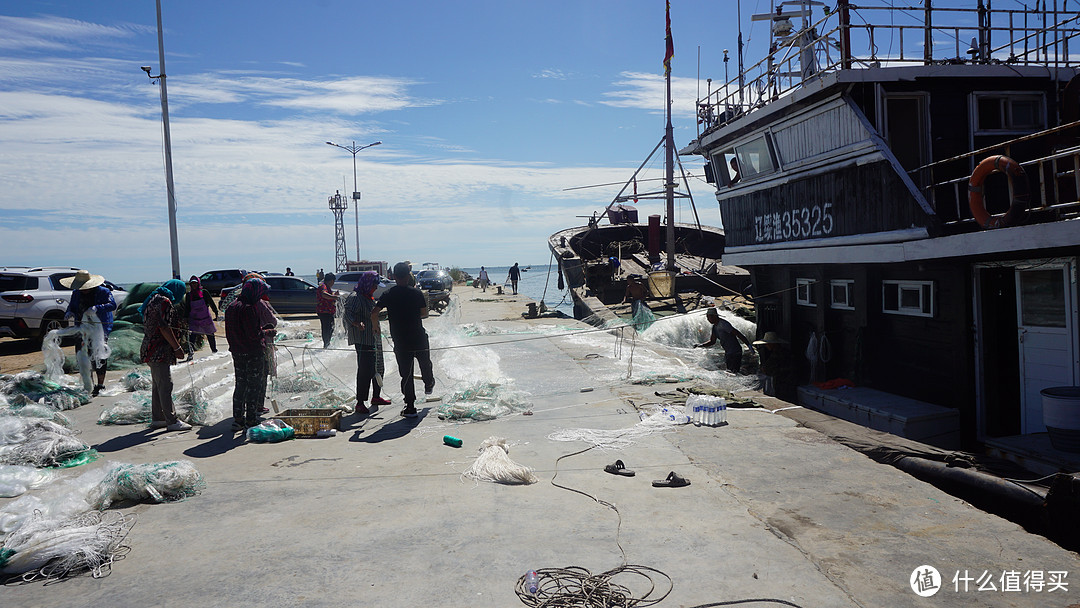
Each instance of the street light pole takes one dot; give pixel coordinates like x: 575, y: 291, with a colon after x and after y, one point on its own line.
x: 353, y: 149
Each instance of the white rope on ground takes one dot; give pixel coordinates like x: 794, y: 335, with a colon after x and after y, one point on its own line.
x: 661, y: 419
x: 493, y: 464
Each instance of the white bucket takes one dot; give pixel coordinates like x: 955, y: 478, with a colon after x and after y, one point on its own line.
x: 1061, y: 415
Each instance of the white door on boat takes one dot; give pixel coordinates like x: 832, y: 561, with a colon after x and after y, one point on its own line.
x: 1045, y: 304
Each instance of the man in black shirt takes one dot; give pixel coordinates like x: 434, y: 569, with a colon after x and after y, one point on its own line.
x: 406, y: 307
x: 514, y: 276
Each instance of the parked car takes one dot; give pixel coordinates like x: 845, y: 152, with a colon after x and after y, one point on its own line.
x: 434, y: 279
x: 33, y: 302
x: 216, y: 280
x: 287, y: 294
x: 346, y: 281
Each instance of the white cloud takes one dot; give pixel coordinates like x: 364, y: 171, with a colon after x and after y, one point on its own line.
x: 647, y: 92
x: 57, y: 33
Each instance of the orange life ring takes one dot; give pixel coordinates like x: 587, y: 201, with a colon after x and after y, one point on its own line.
x: 1017, y: 206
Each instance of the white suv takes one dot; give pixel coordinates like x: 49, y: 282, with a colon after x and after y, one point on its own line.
x: 32, y: 300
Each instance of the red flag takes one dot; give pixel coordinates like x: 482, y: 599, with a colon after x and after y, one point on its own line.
x: 670, y: 52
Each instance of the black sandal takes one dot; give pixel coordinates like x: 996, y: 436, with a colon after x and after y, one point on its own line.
x: 618, y: 468
x: 673, y: 481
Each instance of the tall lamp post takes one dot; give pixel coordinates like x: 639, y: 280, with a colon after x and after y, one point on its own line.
x: 353, y: 149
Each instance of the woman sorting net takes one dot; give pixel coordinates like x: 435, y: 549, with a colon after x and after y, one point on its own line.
x: 197, y: 306
x: 364, y: 335
x: 248, y: 338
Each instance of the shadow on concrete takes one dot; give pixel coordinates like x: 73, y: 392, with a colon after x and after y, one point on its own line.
x: 139, y: 437
x: 397, y: 429
x: 222, y: 439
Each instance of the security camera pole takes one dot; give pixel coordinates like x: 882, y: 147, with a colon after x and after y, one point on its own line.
x: 168, y: 146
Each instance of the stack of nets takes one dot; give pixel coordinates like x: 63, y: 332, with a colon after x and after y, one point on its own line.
x: 154, y: 482
x: 31, y: 386
x: 483, y: 401
x: 40, y: 443
x: 136, y: 410
x: 44, y: 548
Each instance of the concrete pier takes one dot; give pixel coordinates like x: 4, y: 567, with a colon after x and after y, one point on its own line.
x: 380, y: 516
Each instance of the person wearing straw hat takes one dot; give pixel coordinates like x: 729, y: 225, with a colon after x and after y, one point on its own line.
x: 729, y: 338
x: 777, y: 366
x: 88, y: 291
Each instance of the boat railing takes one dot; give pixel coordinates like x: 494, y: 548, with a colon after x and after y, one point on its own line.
x: 1053, y: 179
x: 891, y: 36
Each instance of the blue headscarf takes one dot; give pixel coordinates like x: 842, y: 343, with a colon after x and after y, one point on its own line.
x: 173, y: 289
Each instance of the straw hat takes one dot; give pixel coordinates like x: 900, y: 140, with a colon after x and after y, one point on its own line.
x: 83, y: 280
x: 770, y: 337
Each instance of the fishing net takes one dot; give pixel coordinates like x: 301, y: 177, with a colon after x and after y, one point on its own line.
x: 35, y: 387
x: 659, y: 378
x: 300, y: 382
x: 654, y: 419
x: 126, y: 342
x: 16, y: 479
x: 493, y: 464
x: 37, y: 442
x: 137, y: 380
x: 136, y: 410
x: 483, y: 401
x: 192, y: 405
x: 153, y: 482
x: 332, y: 399
x: 45, y: 548
x: 29, y: 409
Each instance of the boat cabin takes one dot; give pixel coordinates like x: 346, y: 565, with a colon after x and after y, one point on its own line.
x: 909, y: 212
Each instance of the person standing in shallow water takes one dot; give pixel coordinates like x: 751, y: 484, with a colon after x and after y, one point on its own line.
x: 406, y: 308
x: 363, y: 334
x: 326, y: 307
x: 514, y: 276
x: 160, y: 349
x: 248, y: 338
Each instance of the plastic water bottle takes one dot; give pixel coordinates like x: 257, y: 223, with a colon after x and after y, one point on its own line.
x: 532, y: 582
x: 723, y: 411
x: 708, y: 414
x: 697, y: 414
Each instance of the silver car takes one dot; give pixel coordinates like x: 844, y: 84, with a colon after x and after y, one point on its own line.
x: 33, y: 302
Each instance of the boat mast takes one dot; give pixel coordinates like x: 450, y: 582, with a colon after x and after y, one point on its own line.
x: 669, y: 150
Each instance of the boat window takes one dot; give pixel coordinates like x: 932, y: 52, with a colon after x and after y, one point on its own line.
x: 1008, y: 112
x: 913, y: 298
x: 755, y: 157
x: 842, y: 294
x: 1042, y: 298
x: 804, y: 292
x: 726, y: 167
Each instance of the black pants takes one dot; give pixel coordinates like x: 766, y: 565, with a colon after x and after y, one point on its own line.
x: 368, y: 363
x: 405, y: 356
x: 250, y: 390
x: 733, y: 359
x: 327, y: 321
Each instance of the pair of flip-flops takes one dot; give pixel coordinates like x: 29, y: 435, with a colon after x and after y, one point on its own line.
x: 673, y: 479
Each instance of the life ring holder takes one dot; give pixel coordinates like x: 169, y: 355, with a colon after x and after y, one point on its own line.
x: 1019, y: 203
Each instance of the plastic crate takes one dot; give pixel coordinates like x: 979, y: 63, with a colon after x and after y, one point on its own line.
x: 308, y: 422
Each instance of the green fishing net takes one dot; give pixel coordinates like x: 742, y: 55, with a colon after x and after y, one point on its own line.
x: 483, y: 401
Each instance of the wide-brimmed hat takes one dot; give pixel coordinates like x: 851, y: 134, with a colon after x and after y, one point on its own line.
x: 770, y: 337
x: 83, y: 280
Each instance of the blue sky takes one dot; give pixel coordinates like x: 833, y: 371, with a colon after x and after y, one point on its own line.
x: 487, y: 111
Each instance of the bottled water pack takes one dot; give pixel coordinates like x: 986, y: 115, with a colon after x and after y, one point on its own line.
x: 707, y: 410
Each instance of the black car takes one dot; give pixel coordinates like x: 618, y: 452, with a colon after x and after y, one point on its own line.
x: 287, y: 294
x: 434, y: 280
x: 216, y: 280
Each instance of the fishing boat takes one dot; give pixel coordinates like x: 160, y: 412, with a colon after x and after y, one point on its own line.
x: 678, y: 262
x: 902, y: 185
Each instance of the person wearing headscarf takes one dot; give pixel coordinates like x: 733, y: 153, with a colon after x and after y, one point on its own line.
x: 197, y: 306
x: 160, y: 349
x: 248, y: 338
x: 364, y: 335
x: 326, y: 307
x: 88, y: 291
